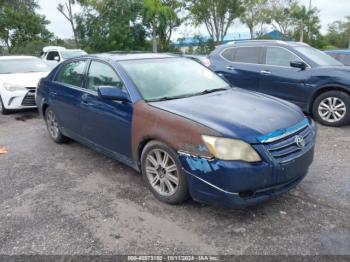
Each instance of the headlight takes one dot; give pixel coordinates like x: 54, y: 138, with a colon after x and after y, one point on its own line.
x: 230, y: 149
x: 13, y: 88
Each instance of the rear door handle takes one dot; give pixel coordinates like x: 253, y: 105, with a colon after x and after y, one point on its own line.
x: 265, y: 72
x: 230, y: 68
x: 53, y: 93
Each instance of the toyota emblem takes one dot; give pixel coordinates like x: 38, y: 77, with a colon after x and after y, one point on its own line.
x: 299, y: 140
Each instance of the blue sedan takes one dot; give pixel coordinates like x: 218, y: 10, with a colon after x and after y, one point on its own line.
x: 183, y: 127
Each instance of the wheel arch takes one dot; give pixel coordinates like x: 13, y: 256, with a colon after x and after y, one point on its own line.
x: 143, y: 144
x: 44, y: 107
x: 324, y: 89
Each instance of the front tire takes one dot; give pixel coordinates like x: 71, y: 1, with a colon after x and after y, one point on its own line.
x: 3, y: 110
x: 163, y: 173
x: 53, y: 127
x: 332, y: 108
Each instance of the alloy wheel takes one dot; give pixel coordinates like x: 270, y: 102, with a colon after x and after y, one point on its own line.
x: 162, y: 172
x: 52, y: 124
x: 332, y: 109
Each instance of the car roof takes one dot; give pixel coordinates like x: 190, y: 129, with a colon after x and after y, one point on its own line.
x: 264, y: 42
x: 17, y: 57
x: 338, y: 51
x: 118, y: 56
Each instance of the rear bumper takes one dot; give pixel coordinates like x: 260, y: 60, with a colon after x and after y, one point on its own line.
x: 235, y: 184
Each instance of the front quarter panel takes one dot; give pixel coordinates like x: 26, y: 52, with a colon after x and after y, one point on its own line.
x: 182, y: 134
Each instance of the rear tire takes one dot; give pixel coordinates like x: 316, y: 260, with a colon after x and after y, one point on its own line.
x: 53, y: 127
x: 163, y: 174
x: 3, y: 110
x: 332, y: 108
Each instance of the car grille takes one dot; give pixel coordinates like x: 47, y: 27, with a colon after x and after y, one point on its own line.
x: 29, y: 99
x: 286, y: 149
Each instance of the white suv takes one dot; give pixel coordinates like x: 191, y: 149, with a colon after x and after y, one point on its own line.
x: 53, y: 55
x: 19, y: 77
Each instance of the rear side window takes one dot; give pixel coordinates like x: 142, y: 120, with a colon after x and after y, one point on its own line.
x: 101, y: 74
x: 250, y: 55
x: 279, y: 57
x: 229, y: 54
x: 72, y: 73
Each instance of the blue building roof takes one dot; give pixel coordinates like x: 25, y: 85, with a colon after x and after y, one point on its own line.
x: 193, y: 41
x: 239, y: 36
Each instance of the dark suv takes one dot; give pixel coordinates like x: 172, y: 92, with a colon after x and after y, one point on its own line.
x: 293, y: 71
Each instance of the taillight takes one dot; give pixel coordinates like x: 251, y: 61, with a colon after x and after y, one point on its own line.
x: 206, y: 62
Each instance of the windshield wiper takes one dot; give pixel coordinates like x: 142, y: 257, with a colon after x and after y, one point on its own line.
x: 208, y: 91
x: 167, y: 98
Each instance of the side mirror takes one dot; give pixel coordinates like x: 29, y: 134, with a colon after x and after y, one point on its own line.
x: 298, y: 64
x: 56, y: 58
x: 112, y: 93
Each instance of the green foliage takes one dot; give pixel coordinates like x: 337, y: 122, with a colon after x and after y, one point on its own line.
x: 111, y: 25
x: 20, y: 25
x: 161, y: 18
x: 307, y: 24
x: 338, y: 34
x: 255, y: 15
x: 216, y: 15
x: 281, y: 16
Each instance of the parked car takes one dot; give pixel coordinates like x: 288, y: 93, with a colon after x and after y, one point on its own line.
x: 19, y: 76
x: 53, y: 55
x: 342, y: 56
x: 181, y: 125
x: 293, y: 71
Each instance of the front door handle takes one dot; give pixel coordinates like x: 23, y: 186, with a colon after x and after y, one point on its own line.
x: 230, y: 68
x: 265, y: 72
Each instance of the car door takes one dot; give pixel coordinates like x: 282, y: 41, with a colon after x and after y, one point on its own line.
x: 65, y: 94
x: 279, y: 79
x: 104, y: 122
x: 242, y: 66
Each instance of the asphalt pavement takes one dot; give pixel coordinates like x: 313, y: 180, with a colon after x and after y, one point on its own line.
x: 69, y: 199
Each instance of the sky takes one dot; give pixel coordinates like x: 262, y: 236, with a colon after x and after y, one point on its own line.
x: 330, y: 10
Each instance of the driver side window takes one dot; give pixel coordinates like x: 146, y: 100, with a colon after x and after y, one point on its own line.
x: 101, y: 74
x: 280, y: 57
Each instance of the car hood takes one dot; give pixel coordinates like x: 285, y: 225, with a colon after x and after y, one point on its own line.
x: 236, y: 113
x: 23, y: 79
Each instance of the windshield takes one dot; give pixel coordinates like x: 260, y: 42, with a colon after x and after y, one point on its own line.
x: 70, y: 54
x: 169, y: 78
x: 320, y: 58
x: 18, y: 65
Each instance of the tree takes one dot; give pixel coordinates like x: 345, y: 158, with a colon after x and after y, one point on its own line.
x: 111, y: 25
x: 255, y: 14
x: 20, y: 24
x: 281, y: 16
x: 66, y: 10
x: 161, y: 17
x: 216, y: 15
x: 338, y: 34
x: 307, y: 20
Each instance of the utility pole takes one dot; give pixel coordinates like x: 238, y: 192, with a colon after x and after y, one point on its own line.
x: 309, y: 22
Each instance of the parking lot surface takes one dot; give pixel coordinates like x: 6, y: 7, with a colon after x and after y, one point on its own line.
x: 69, y: 199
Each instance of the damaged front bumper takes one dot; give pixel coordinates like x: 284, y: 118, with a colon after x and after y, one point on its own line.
x: 239, y: 184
